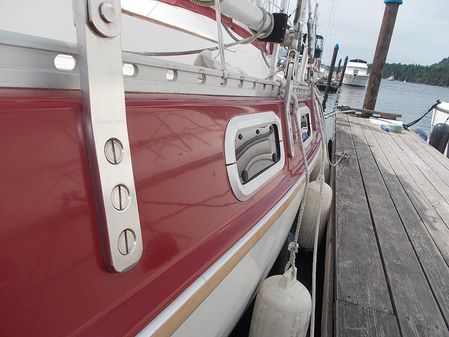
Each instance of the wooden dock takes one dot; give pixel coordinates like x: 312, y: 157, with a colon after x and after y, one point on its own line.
x: 388, y: 271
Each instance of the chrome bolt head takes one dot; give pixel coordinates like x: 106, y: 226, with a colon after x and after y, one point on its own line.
x: 126, y: 242
x: 120, y: 197
x: 113, y: 151
x: 108, y: 12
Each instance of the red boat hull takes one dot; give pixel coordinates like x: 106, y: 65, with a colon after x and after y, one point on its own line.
x: 53, y: 280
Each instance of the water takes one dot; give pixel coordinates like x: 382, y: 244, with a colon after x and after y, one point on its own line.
x: 409, y: 99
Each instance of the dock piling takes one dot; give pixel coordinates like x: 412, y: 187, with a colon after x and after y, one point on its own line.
x: 331, y: 72
x: 343, y: 71
x: 338, y: 68
x: 380, y: 56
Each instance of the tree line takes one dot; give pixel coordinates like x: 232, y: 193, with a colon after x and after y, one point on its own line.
x: 435, y: 74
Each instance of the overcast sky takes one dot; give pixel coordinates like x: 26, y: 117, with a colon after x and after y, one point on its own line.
x: 421, y: 33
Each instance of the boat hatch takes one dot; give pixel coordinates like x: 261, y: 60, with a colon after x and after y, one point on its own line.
x: 303, y: 117
x: 254, y: 152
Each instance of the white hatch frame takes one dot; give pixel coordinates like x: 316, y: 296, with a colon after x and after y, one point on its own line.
x: 244, y: 191
x: 304, y: 110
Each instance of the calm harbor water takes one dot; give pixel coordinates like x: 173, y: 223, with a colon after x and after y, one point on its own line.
x: 409, y: 99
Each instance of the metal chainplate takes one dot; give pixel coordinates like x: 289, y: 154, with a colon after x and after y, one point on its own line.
x: 106, y: 136
x: 291, y: 67
x: 105, y: 16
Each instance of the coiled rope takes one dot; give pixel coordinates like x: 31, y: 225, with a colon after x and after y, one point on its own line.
x: 204, y: 3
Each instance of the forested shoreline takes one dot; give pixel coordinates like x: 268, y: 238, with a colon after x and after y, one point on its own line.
x: 436, y: 74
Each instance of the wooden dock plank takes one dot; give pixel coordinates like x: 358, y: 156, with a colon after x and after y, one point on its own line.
x: 356, y: 321
x: 416, y: 146
x: 435, y: 226
x: 440, y: 205
x: 411, y: 179
x: 432, y: 210
x: 431, y: 260
x: 433, y: 175
x: 412, y: 297
x: 360, y: 278
x: 441, y: 158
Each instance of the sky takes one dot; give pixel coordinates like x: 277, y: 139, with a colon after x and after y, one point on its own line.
x: 421, y: 34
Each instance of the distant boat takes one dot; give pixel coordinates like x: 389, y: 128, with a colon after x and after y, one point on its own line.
x: 391, y: 78
x: 356, y: 73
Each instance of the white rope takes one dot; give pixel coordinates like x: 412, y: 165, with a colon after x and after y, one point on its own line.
x: 294, y: 246
x: 342, y: 156
x: 317, y: 226
x: 220, y: 34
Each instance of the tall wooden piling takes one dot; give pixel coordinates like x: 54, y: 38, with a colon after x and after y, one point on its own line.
x: 338, y: 68
x: 380, y: 56
x: 343, y: 71
x: 331, y: 73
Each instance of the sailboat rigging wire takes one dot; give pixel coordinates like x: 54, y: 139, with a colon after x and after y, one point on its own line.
x: 331, y: 15
x: 247, y: 40
x: 220, y: 34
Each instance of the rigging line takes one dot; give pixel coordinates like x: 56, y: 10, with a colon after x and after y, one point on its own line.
x: 264, y: 57
x: 220, y: 34
x: 196, y: 51
x: 164, y: 24
x: 229, y: 31
x: 331, y: 15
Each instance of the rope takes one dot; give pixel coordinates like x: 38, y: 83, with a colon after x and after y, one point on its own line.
x: 204, y: 3
x: 294, y: 246
x: 317, y: 227
x: 264, y: 57
x: 247, y: 40
x: 229, y: 31
x: 221, y: 46
x: 406, y: 126
x: 220, y: 34
x: 344, y: 155
x: 330, y: 114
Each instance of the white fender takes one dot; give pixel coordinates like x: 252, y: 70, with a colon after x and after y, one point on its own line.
x: 316, y: 170
x: 307, y: 230
x: 282, y: 308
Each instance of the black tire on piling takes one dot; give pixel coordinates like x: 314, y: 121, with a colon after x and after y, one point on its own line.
x: 439, y: 137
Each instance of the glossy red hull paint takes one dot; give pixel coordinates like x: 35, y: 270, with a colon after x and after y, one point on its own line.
x: 53, y: 281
